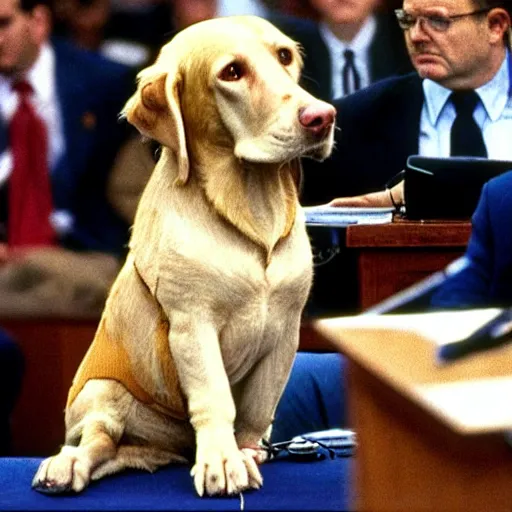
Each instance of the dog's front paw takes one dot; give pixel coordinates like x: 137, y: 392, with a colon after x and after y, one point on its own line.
x: 222, y: 468
x: 62, y: 473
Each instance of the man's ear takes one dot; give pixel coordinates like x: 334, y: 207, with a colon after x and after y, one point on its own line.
x: 499, y: 24
x: 155, y: 111
x: 41, y: 23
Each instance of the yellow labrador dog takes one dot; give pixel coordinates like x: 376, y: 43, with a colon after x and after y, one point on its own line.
x: 201, y: 325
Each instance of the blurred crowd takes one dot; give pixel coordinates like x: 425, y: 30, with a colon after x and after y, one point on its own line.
x: 81, y: 57
x: 68, y: 195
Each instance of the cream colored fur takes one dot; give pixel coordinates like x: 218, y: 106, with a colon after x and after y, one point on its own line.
x: 201, y: 326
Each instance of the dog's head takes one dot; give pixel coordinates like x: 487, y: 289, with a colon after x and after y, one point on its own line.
x: 230, y: 84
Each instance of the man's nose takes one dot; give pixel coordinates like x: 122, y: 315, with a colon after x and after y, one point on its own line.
x: 417, y: 32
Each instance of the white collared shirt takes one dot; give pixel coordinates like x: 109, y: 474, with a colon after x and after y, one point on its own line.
x: 493, y: 114
x: 360, y: 45
x: 42, y: 79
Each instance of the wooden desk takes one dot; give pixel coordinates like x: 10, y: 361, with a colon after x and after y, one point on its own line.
x: 393, y: 256
x: 430, y: 437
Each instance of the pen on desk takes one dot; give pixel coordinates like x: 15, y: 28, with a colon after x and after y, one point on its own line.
x: 493, y: 334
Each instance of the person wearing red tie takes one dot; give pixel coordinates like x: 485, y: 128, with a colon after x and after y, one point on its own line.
x: 60, y: 133
x: 59, y: 136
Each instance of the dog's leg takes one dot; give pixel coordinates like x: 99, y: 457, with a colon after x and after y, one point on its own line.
x: 95, y: 422
x: 257, y: 396
x: 71, y: 469
x: 220, y: 466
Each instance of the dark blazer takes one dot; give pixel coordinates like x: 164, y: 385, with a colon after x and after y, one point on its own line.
x: 388, y: 53
x: 91, y: 91
x: 378, y: 128
x: 487, y: 281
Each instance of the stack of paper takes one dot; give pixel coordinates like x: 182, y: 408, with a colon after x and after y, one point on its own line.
x: 340, y: 216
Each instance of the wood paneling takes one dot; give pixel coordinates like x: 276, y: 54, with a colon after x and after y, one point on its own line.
x: 53, y: 349
x: 392, y: 257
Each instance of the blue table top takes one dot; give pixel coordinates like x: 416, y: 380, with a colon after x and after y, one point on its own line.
x: 288, y: 485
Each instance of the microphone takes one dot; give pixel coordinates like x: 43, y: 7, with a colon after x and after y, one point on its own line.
x: 493, y: 334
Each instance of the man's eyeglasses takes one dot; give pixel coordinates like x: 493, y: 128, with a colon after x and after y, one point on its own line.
x: 436, y: 22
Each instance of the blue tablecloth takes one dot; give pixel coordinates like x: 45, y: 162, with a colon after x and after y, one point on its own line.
x: 288, y: 485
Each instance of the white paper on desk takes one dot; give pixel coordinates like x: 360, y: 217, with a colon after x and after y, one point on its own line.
x: 438, y: 326
x: 340, y: 216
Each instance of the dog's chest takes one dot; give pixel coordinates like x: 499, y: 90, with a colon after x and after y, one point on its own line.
x: 209, y: 269
x: 265, y: 304
x: 236, y: 282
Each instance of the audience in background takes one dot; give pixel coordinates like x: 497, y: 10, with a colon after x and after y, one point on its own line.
x: 11, y: 372
x: 132, y: 31
x: 351, y: 46
x: 126, y: 33
x: 84, y: 21
x: 59, y: 134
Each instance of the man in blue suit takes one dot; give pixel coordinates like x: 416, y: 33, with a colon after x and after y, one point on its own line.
x: 487, y: 279
x: 78, y: 96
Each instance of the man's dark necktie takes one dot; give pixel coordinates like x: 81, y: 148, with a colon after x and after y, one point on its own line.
x: 466, y: 137
x: 30, y: 198
x: 350, y: 75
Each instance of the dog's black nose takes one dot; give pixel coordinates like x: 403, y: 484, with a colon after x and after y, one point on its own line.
x: 317, y: 117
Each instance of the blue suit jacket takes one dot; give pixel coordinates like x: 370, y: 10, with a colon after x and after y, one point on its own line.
x: 387, y: 53
x: 91, y: 91
x: 487, y: 281
x: 378, y: 128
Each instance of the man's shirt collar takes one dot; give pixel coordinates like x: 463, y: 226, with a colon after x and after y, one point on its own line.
x: 491, y: 94
x: 359, y: 45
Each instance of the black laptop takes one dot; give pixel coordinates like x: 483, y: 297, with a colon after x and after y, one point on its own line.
x: 447, y: 188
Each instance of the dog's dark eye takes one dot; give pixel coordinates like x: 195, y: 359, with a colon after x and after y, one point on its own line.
x: 285, y: 56
x: 232, y: 72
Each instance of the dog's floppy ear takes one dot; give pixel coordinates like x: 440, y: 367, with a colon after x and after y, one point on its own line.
x: 155, y: 111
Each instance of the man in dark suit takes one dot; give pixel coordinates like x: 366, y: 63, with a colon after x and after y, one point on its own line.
x: 354, y: 29
x: 382, y: 125
x: 78, y: 96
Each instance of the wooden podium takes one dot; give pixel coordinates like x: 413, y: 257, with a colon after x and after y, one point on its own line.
x: 431, y: 437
